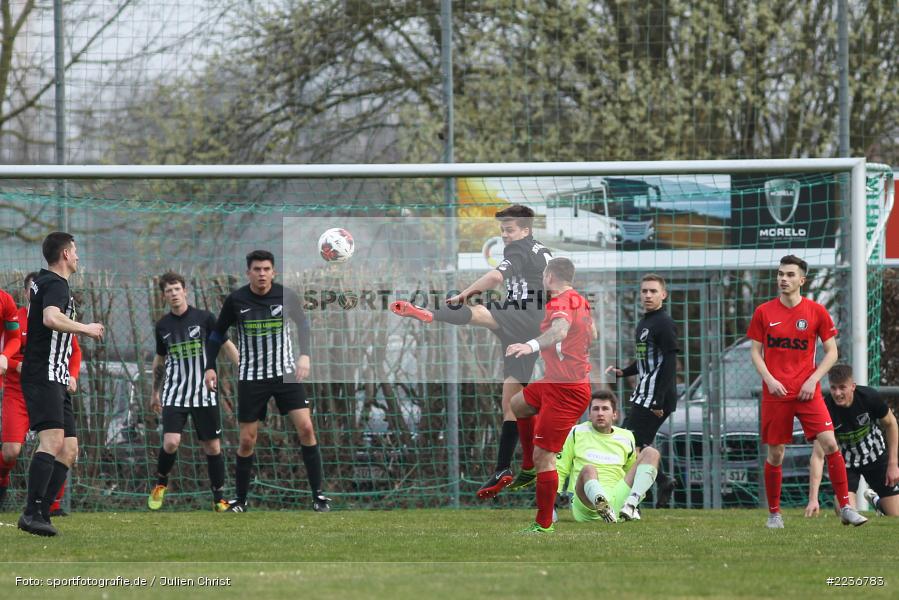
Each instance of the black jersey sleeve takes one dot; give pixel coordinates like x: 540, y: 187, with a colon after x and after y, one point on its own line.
x: 873, y: 403
x: 298, y: 316
x: 55, y: 293
x: 666, y: 337
x: 514, y: 261
x: 161, y: 348
x: 219, y: 332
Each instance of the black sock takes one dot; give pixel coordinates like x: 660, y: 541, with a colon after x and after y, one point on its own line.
x: 453, y: 314
x: 312, y: 458
x: 242, y: 474
x: 39, y: 474
x: 215, y: 463
x: 164, y: 465
x: 508, y: 439
x: 57, y: 478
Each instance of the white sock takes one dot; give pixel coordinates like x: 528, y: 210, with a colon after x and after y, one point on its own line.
x: 643, y: 480
x: 592, y: 489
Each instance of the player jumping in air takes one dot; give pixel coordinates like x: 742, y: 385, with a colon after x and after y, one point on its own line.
x: 514, y: 319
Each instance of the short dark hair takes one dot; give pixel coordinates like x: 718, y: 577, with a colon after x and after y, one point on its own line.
x: 562, y: 268
x: 170, y: 278
x: 840, y: 373
x: 260, y: 255
x: 30, y: 277
x: 654, y: 277
x: 54, y: 244
x: 522, y: 215
x: 792, y: 259
x: 607, y: 395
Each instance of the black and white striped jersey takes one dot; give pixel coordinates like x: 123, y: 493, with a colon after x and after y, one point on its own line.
x: 522, y: 268
x: 48, y: 351
x: 264, y: 336
x: 656, y: 346
x: 858, y: 433
x: 181, y: 339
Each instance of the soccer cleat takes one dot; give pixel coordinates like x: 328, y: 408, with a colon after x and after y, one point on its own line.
x: 629, y: 512
x: 536, y: 528
x: 664, y: 488
x: 221, y: 506
x: 497, y: 482
x: 524, y: 478
x: 36, y: 525
x: 237, y: 507
x: 874, y: 500
x: 407, y: 309
x: 154, y: 500
x: 321, y: 503
x: 601, y: 506
x: 58, y: 512
x: 775, y: 521
x: 849, y: 516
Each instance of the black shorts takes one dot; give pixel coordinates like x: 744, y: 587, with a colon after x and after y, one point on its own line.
x: 517, y: 326
x: 253, y: 396
x: 643, y: 423
x: 875, y: 475
x: 49, y: 406
x: 207, y: 421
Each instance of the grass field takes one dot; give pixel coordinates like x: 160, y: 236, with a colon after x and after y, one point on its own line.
x: 450, y: 554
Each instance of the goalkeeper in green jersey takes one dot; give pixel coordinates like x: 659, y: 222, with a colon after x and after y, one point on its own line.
x: 601, y: 465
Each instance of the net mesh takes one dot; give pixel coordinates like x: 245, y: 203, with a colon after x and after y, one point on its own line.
x: 380, y: 414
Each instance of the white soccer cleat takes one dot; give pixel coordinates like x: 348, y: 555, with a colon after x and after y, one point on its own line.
x: 775, y: 521
x: 849, y: 516
x: 629, y: 512
x: 601, y: 505
x: 872, y: 498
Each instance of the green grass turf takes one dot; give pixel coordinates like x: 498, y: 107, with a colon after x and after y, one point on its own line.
x: 468, y: 554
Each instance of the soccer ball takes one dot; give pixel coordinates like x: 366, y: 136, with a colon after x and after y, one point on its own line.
x: 336, y: 245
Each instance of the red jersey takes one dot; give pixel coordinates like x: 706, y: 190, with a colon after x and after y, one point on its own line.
x: 10, y: 340
x: 15, y: 359
x: 568, y: 361
x: 788, y: 337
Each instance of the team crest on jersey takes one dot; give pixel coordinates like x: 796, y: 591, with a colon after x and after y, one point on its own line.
x: 863, y: 419
x: 193, y: 331
x: 801, y: 324
x: 277, y: 309
x: 644, y: 335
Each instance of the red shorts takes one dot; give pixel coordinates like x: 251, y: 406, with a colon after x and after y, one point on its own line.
x: 559, y: 408
x: 14, y: 420
x: 777, y: 419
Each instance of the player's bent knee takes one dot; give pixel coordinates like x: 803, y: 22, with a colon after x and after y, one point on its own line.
x: 588, y: 472
x: 650, y: 455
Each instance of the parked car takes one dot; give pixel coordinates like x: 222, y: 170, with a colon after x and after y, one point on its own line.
x: 689, y: 447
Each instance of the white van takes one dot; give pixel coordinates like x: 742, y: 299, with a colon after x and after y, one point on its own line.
x: 606, y: 211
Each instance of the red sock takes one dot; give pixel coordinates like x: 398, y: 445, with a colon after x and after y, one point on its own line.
x: 5, y: 469
x: 526, y: 437
x: 547, y: 484
x: 836, y: 468
x: 55, y: 505
x: 773, y: 479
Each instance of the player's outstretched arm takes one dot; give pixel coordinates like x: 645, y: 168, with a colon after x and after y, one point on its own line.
x: 815, y: 471
x: 54, y: 319
x: 557, y: 332
x: 488, y: 281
